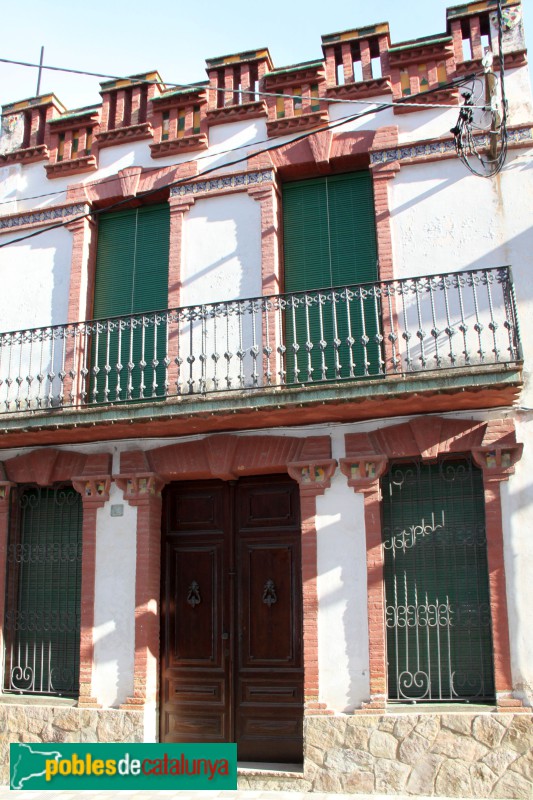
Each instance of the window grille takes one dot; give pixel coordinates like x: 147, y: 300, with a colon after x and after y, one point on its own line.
x: 42, y: 618
x: 438, y: 618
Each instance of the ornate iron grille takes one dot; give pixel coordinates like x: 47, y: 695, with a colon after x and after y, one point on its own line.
x: 439, y: 643
x: 42, y: 618
x: 373, y: 330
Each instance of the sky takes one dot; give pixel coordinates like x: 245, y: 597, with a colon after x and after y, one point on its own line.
x: 124, y: 37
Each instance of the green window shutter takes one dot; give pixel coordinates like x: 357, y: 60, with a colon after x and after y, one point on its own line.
x: 439, y: 644
x: 150, y: 289
x: 131, y: 278
x: 330, y: 240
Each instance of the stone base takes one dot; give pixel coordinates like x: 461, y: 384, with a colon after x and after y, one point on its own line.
x: 60, y: 723
x: 451, y: 754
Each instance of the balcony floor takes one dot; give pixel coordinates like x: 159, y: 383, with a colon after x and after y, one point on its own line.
x: 469, y: 388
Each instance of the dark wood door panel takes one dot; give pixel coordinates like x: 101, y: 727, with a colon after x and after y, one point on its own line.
x: 232, y: 610
x: 205, y: 725
x: 181, y: 692
x: 269, y: 502
x: 193, y: 586
x: 196, y: 507
x: 268, y: 604
x: 272, y: 689
x: 265, y: 737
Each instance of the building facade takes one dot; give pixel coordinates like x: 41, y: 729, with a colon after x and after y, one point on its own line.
x: 264, y: 414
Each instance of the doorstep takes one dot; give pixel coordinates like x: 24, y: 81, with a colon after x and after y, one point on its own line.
x: 272, y: 777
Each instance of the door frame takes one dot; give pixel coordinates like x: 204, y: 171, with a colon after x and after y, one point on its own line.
x: 143, y: 474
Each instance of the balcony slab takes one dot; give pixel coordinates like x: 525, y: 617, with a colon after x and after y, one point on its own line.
x: 425, y: 392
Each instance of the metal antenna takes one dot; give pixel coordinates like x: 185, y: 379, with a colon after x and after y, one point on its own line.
x: 40, y: 73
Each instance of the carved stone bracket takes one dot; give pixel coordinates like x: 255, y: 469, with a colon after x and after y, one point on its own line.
x: 94, y: 489
x: 363, y: 470
x: 314, y: 477
x: 179, y: 205
x: 139, y: 488
x: 129, y: 180
x: 5, y: 491
x: 497, y: 461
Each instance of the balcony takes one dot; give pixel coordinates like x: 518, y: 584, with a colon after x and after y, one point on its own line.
x: 333, y: 353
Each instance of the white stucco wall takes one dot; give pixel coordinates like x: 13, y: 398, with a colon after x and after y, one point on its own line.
x: 221, y: 249
x: 35, y: 276
x: 114, y: 606
x: 443, y: 219
x: 221, y: 261
x: 517, y: 508
x: 342, y: 597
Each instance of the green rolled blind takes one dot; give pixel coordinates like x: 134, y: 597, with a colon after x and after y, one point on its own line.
x: 330, y: 240
x: 131, y: 278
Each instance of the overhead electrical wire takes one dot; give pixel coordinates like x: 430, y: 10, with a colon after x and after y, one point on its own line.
x: 376, y: 108
x: 194, y: 86
x: 470, y: 150
x: 216, y: 168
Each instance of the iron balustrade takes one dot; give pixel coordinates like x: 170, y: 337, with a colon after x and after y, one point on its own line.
x: 364, y: 331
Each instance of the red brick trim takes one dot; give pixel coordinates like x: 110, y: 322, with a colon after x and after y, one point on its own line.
x: 313, y: 478
x: 363, y: 472
x: 143, y: 490
x: 107, y: 190
x: 494, y: 448
x: 268, y: 198
x: 127, y: 133
x: 227, y: 457
x: 82, y: 271
x: 172, y: 147
x: 386, y: 137
x: 233, y: 113
x: 94, y: 494
x: 302, y: 122
x: 72, y: 166
x: 497, y: 462
x: 26, y: 155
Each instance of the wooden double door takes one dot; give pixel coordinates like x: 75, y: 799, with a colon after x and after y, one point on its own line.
x: 231, y: 660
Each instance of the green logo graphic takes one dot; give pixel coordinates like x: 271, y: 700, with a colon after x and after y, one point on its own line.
x: 123, y: 766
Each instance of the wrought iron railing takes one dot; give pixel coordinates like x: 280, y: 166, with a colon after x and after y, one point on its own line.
x: 364, y: 331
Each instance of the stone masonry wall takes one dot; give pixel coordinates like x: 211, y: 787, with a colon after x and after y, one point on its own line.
x: 34, y: 723
x: 448, y: 754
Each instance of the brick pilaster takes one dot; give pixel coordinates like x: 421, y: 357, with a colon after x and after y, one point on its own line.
x: 178, y: 209
x: 366, y: 60
x: 363, y: 472
x: 82, y: 268
x: 94, y: 492
x: 475, y: 38
x: 497, y: 463
x: 382, y: 175
x: 347, y: 62
x: 313, y: 478
x: 143, y: 490
x: 268, y: 199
